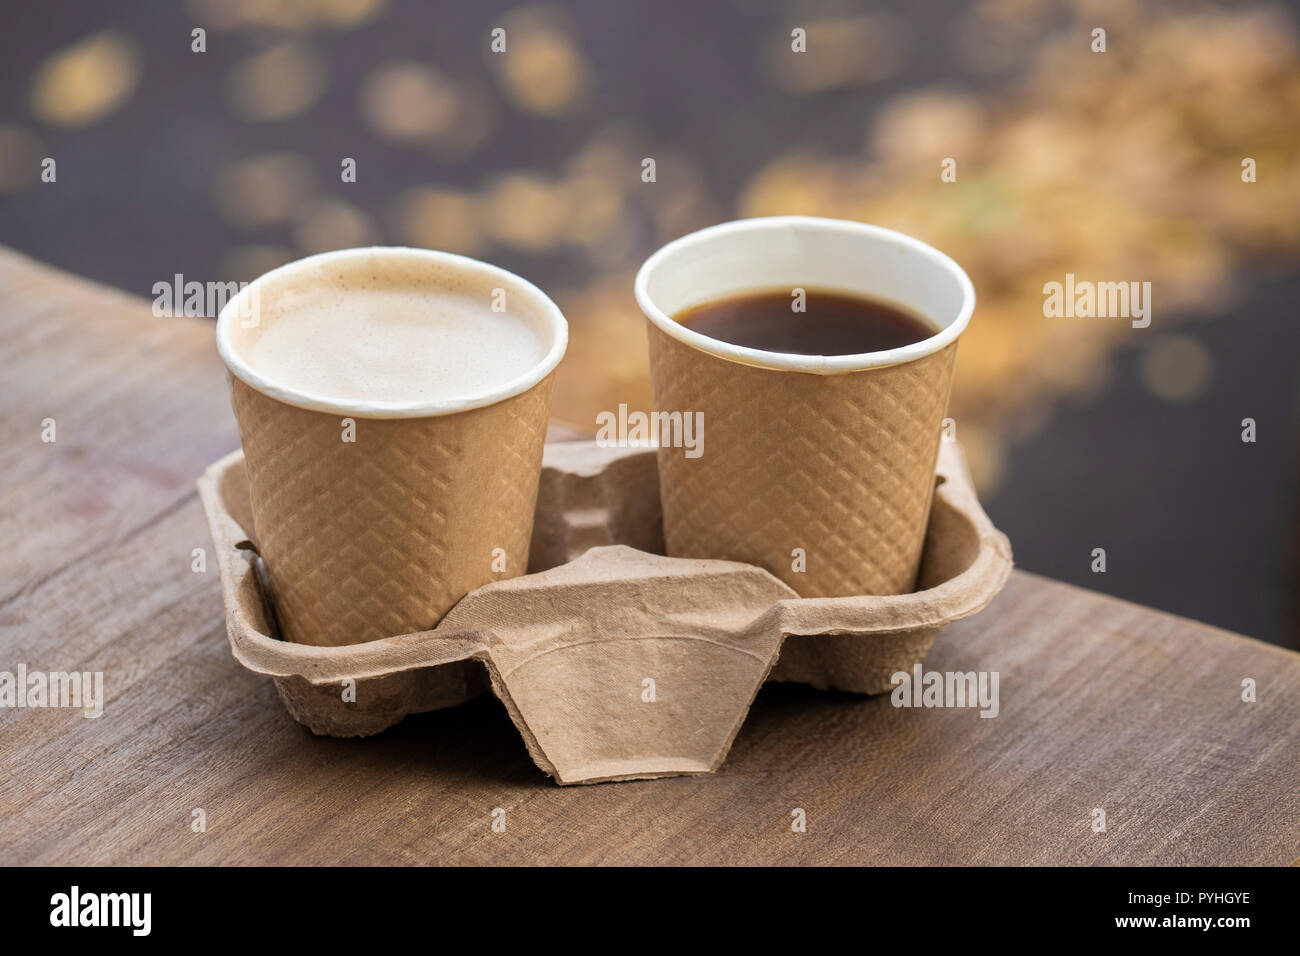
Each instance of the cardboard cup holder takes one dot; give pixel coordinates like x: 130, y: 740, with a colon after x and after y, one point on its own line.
x: 613, y: 661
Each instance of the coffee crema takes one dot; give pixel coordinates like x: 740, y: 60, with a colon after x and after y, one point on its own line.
x: 390, y: 342
x: 832, y: 322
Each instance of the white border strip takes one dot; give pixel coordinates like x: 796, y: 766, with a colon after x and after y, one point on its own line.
x: 553, y: 319
x: 815, y: 364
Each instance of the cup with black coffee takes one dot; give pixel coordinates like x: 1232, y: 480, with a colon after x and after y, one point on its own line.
x: 820, y: 353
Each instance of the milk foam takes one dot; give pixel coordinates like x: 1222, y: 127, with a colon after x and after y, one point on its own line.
x: 390, y: 342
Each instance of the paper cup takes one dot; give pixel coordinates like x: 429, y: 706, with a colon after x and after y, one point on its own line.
x: 819, y: 469
x: 382, y: 535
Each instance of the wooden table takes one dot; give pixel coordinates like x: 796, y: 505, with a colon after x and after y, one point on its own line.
x: 1104, y: 704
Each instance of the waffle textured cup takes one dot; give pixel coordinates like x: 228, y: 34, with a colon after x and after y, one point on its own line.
x: 383, y: 534
x: 819, y: 469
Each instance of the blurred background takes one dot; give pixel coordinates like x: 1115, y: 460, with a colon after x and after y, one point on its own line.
x: 1123, y: 165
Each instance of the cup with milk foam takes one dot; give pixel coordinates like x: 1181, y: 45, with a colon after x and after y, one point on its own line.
x: 392, y: 405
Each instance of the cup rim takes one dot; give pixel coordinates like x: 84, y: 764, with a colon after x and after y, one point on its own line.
x: 789, y: 361
x: 550, y: 313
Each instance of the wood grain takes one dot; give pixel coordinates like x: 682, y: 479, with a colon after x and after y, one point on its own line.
x: 1103, y: 703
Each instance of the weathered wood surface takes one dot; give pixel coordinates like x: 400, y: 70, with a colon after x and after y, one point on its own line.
x: 1104, y: 704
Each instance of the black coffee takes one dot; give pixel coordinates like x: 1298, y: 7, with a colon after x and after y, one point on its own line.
x: 831, y: 323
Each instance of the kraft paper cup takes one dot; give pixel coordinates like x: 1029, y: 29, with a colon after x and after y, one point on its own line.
x: 381, y: 536
x: 819, y: 469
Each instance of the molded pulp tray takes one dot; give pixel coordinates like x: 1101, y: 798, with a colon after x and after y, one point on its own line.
x: 614, y: 661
